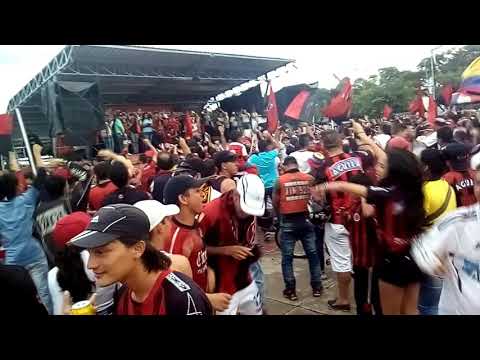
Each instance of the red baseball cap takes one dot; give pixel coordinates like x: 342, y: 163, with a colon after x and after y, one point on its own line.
x: 68, y: 227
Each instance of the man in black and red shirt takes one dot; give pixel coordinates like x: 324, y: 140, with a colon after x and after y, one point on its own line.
x: 363, y: 241
x: 339, y: 167
x: 228, y: 225
x: 185, y: 236
x: 460, y: 177
x: 117, y: 239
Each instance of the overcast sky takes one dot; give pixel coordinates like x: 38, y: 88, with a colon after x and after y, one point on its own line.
x: 20, y: 63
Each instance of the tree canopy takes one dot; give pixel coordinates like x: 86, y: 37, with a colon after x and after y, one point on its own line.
x: 397, y: 88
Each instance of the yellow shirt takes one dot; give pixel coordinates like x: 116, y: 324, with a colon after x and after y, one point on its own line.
x: 435, y: 193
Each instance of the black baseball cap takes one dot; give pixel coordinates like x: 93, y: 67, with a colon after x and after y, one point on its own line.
x: 122, y: 222
x: 178, y: 185
x: 223, y: 157
x: 457, y: 154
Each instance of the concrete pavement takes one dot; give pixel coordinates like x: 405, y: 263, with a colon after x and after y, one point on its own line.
x: 276, y: 304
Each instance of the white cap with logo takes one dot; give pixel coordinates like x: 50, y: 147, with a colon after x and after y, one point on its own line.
x: 156, y: 211
x: 252, y: 194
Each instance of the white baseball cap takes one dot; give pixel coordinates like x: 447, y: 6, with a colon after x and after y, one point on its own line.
x: 252, y: 195
x: 156, y: 211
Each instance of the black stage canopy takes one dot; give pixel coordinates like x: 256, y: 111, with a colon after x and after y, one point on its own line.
x: 139, y: 75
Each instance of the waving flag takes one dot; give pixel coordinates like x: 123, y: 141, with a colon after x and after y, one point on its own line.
x: 471, y: 78
x: 295, y: 108
x: 272, y: 111
x: 341, y: 104
x: 387, y: 111
x: 416, y: 105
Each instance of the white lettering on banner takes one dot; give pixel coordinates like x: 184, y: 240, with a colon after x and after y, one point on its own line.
x: 46, y: 221
x: 346, y: 165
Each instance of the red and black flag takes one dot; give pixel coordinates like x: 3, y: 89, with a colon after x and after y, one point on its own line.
x: 272, y: 111
x: 294, y: 110
x: 341, y: 104
x: 6, y: 129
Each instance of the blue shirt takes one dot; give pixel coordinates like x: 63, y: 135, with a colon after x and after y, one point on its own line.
x: 16, y: 225
x: 266, y: 163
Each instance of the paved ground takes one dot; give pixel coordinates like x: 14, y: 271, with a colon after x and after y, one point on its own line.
x: 276, y: 304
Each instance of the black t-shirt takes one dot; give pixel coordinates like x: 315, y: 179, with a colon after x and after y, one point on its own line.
x: 126, y: 195
x: 175, y: 295
x: 159, y: 183
x: 19, y: 295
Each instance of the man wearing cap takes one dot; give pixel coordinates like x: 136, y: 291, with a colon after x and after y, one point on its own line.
x: 460, y: 177
x: 71, y: 273
x: 228, y: 225
x: 186, y: 239
x: 290, y: 199
x: 117, y: 239
x: 161, y: 226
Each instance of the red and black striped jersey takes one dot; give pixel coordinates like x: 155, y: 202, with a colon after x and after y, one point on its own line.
x: 363, y: 238
x: 341, y: 167
x: 390, y: 216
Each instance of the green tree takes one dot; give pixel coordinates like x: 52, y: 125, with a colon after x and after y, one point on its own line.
x: 449, y: 65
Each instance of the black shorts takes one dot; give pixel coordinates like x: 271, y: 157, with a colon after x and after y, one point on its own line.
x: 399, y: 270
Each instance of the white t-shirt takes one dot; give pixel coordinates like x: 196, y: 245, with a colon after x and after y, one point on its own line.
x: 454, y: 238
x: 104, y: 297
x: 382, y: 139
x: 302, y: 157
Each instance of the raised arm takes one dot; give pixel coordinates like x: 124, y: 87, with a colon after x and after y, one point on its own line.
x: 358, y: 130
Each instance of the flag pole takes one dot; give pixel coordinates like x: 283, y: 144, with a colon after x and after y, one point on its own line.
x: 26, y: 142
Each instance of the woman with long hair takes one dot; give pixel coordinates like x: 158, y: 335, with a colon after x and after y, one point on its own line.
x: 400, y: 215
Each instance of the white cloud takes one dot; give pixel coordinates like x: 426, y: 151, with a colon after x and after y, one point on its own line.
x: 20, y: 63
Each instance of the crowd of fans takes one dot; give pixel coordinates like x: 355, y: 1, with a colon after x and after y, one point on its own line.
x: 164, y: 219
